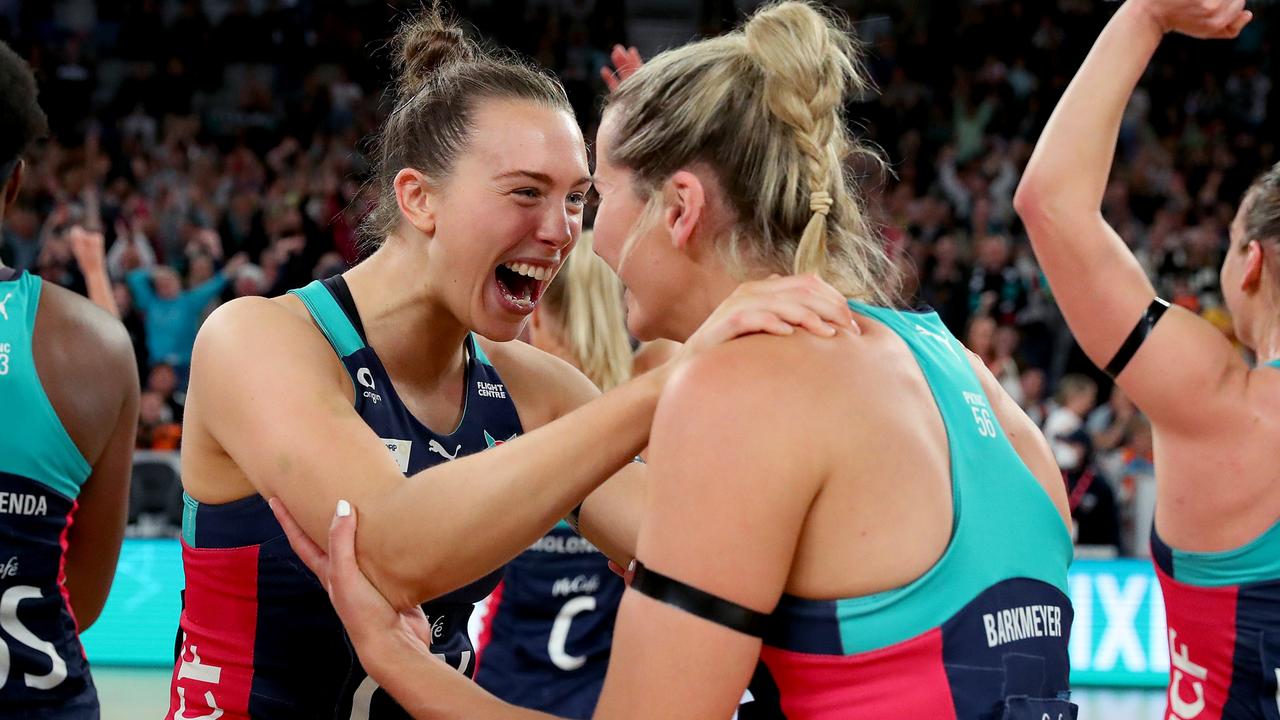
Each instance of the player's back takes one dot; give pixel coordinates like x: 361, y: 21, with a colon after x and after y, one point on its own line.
x: 61, y: 401
x: 956, y: 605
x: 549, y: 627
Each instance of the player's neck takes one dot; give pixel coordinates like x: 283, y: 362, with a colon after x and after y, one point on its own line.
x: 415, y: 336
x: 1268, y: 347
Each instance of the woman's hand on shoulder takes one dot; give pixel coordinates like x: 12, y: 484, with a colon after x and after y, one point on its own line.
x: 776, y: 306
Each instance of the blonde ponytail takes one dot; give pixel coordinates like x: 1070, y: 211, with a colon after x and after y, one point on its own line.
x: 586, y: 301
x: 764, y: 107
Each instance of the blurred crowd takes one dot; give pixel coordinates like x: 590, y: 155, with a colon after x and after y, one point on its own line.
x: 223, y: 155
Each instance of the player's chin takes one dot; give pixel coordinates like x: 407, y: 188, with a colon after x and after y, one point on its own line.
x: 499, y: 325
x: 642, y: 325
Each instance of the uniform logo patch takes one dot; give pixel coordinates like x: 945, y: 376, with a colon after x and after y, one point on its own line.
x: 400, y: 451
x: 491, y: 442
x: 435, y: 447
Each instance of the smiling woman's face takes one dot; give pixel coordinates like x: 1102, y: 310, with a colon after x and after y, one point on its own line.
x: 508, y: 214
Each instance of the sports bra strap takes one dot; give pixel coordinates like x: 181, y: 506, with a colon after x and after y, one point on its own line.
x: 334, y: 320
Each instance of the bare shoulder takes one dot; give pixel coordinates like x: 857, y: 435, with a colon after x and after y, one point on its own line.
x: 781, y: 381
x: 652, y: 354
x: 257, y: 325
x: 801, y: 364
x: 75, y: 323
x: 543, y: 386
x: 86, y: 364
x: 273, y: 341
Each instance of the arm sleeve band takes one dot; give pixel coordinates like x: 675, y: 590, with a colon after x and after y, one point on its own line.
x: 1139, y: 335
x: 699, y: 602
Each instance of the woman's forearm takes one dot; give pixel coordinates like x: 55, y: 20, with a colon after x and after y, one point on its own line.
x: 488, y: 507
x: 611, y: 515
x: 98, y: 286
x: 430, y: 690
x: 1096, y: 281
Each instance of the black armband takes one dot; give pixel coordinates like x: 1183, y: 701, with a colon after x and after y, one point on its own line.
x: 1139, y: 335
x: 699, y: 602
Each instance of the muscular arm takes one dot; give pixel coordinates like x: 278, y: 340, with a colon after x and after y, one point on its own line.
x: 726, y: 522
x: 98, y: 531
x: 293, y: 432
x: 94, y: 391
x: 1097, y: 282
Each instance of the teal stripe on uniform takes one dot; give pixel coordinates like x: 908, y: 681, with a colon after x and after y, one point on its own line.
x: 190, y: 510
x: 329, y: 316
x: 1018, y: 533
x: 1274, y: 364
x: 475, y: 343
x: 1253, y: 562
x: 33, y: 441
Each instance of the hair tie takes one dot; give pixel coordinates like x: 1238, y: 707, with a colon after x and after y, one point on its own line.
x: 820, y: 202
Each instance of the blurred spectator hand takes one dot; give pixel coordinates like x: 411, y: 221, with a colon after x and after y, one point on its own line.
x: 234, y: 263
x: 290, y: 245
x: 626, y: 61
x: 87, y: 247
x: 210, y: 241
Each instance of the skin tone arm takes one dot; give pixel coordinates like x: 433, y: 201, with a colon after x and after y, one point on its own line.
x: 87, y: 246
x: 95, y: 537
x: 1096, y: 280
x: 293, y: 433
x: 102, y: 423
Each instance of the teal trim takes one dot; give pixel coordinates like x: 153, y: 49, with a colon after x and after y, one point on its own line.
x: 33, y: 441
x: 564, y: 524
x: 1018, y: 534
x: 328, y: 315
x: 475, y: 343
x: 1274, y: 364
x: 1256, y: 561
x: 190, y: 509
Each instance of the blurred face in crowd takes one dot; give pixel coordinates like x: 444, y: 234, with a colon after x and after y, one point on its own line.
x: 162, y: 380
x: 151, y: 408
x: 1032, y: 381
x: 993, y: 252
x: 1006, y: 341
x: 1081, y: 401
x: 200, y: 271
x: 168, y: 284
x: 505, y: 219
x: 981, y: 337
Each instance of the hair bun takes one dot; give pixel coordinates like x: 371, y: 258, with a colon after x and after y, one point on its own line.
x: 427, y: 44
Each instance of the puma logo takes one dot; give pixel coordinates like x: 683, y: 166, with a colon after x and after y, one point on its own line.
x: 935, y: 336
x: 437, y: 448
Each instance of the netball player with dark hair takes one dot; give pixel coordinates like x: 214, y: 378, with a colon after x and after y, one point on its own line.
x: 68, y: 414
